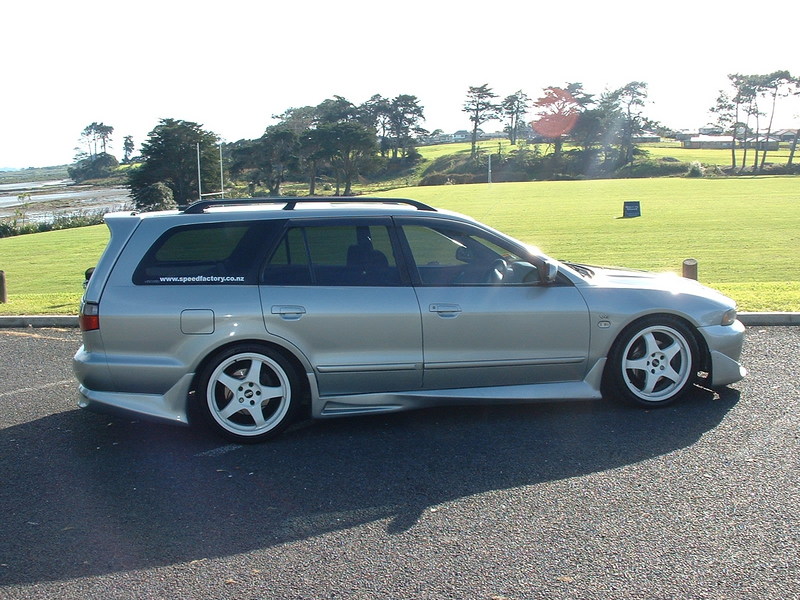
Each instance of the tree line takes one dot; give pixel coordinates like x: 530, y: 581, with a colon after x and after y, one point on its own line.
x: 744, y: 108
x: 338, y: 141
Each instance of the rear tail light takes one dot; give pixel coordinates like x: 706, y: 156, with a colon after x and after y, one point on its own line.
x: 89, y: 318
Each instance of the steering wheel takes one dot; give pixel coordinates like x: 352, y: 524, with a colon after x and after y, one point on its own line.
x: 497, y: 271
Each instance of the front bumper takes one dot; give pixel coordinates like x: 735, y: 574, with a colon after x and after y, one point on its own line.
x: 725, y: 348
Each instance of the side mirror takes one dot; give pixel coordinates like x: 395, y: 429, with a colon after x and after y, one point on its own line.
x: 550, y: 271
x: 464, y: 254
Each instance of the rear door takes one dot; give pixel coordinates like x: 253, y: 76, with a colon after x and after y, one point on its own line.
x: 335, y: 290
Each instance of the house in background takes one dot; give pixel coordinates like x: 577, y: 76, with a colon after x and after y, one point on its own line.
x: 785, y: 135
x: 762, y: 143
x: 698, y: 142
x: 646, y: 136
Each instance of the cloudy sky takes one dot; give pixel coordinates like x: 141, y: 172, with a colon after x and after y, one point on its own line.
x: 231, y: 64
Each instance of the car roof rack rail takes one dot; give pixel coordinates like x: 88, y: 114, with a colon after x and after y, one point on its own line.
x: 289, y: 203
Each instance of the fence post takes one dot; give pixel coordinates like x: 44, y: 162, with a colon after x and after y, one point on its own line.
x: 690, y: 268
x: 3, y: 295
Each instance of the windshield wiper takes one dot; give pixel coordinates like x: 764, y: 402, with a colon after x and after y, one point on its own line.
x: 582, y: 269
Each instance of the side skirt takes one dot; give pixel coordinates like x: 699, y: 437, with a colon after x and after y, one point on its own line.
x: 363, y: 404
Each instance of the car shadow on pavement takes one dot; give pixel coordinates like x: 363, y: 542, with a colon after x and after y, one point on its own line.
x: 84, y: 494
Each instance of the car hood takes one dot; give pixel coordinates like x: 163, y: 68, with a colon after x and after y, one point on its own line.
x: 617, y: 277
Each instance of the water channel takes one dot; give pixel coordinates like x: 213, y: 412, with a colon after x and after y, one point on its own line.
x: 44, y: 200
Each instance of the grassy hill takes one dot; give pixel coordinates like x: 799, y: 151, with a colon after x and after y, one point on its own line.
x: 744, y: 231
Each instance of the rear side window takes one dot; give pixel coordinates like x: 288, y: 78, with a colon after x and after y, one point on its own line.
x: 334, y: 255
x: 208, y: 254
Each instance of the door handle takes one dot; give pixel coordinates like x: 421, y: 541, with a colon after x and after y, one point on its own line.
x: 445, y: 310
x: 289, y: 312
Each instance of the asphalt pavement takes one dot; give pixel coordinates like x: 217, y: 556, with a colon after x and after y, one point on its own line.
x: 584, y: 500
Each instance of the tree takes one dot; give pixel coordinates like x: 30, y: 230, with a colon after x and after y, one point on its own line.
x: 773, y: 85
x: 745, y: 101
x: 480, y: 108
x: 127, y: 148
x: 104, y: 135
x: 336, y: 110
x: 588, y: 134
x: 395, y: 122
x: 97, y: 167
x: 793, y: 146
x: 313, y: 151
x: 170, y: 156
x: 157, y: 196
x: 279, y: 149
x: 631, y: 99
x: 726, y: 111
x: 377, y: 113
x: 297, y: 119
x: 514, y: 108
x: 349, y: 145
x: 583, y: 99
x: 405, y: 114
x: 267, y: 160
x: 556, y: 115
x: 93, y: 134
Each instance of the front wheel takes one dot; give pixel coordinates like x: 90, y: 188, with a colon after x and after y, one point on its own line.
x: 248, y: 394
x: 653, y: 362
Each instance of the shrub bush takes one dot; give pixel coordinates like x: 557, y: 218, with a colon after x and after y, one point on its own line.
x: 696, y: 170
x: 82, y: 219
x: 96, y: 167
x: 653, y: 168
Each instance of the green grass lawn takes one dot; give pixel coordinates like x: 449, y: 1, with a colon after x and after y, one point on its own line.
x: 44, y: 271
x: 711, y: 156
x: 744, y: 232
x: 655, y: 150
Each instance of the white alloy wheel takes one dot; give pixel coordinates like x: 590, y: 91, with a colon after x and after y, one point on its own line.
x: 655, y: 362
x: 248, y: 394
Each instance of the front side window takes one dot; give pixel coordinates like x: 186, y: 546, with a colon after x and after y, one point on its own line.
x: 334, y: 255
x: 448, y: 256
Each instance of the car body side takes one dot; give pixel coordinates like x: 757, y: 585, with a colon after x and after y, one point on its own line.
x: 154, y: 339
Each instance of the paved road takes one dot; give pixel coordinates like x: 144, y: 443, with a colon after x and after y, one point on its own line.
x: 572, y: 500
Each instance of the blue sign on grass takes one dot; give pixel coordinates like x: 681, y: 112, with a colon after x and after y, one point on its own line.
x: 632, y: 209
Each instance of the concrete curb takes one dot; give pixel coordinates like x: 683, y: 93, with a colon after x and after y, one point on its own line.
x: 38, y: 321
x: 769, y: 318
x: 67, y: 321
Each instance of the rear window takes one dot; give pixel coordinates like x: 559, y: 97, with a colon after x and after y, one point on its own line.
x: 208, y: 254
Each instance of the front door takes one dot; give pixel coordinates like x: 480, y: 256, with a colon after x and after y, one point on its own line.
x: 487, y: 318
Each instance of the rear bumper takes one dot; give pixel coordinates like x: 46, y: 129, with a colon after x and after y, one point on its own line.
x: 170, y: 407
x: 97, y: 389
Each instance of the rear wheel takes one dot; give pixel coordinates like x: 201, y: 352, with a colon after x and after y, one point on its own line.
x: 653, y: 362
x: 248, y: 393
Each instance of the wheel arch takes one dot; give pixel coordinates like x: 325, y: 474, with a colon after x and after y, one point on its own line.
x: 689, y: 324
x: 298, y: 365
x: 704, y: 354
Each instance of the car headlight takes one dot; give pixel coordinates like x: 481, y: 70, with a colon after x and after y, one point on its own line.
x: 729, y: 317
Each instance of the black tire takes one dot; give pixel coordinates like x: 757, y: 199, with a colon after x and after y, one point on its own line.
x: 248, y: 393
x: 653, y: 362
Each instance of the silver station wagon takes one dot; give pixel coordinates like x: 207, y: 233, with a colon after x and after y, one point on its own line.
x: 249, y: 314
